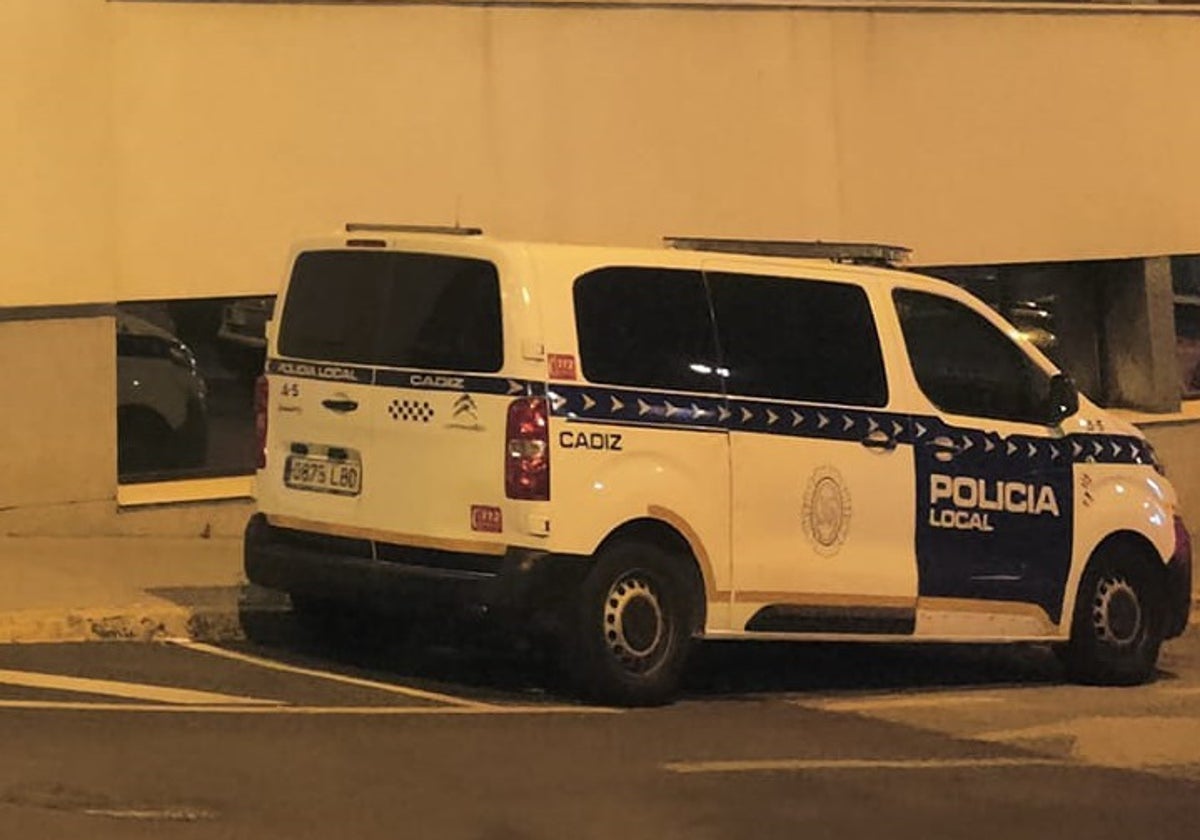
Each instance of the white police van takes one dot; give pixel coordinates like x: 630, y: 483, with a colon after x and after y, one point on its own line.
x: 634, y: 448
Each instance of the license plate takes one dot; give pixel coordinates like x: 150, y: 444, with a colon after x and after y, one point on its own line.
x: 323, y: 476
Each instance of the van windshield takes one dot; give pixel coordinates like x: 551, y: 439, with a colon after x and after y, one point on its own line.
x: 394, y: 309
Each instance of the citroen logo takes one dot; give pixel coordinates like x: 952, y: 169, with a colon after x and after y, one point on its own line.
x: 464, y: 408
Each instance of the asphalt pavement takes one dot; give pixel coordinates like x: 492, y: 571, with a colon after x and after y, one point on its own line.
x: 299, y: 738
x: 233, y: 721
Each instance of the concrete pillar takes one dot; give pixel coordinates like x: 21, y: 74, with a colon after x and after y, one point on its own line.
x: 59, y: 417
x: 1138, y: 355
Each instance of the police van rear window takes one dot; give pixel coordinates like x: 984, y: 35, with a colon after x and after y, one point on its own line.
x: 394, y: 309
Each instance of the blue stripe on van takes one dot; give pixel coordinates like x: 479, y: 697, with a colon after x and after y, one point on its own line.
x: 421, y: 380
x: 706, y: 412
x: 685, y: 410
x: 322, y: 370
x: 630, y: 406
x: 424, y: 380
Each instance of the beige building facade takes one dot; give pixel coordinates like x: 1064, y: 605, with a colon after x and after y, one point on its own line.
x: 168, y: 150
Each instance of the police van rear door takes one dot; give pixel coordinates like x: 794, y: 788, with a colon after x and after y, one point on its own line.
x: 450, y: 368
x: 320, y: 398
x: 391, y: 388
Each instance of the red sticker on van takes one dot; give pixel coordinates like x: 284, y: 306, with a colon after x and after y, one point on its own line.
x: 487, y: 518
x: 562, y: 366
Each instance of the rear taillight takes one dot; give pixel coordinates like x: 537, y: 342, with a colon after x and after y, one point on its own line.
x: 261, y: 399
x: 527, y: 450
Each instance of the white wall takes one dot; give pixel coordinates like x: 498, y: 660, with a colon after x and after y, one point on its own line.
x: 58, y: 379
x: 173, y: 150
x: 56, y: 215
x: 59, y: 427
x: 971, y: 136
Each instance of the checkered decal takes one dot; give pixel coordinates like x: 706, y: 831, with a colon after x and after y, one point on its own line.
x: 412, y: 411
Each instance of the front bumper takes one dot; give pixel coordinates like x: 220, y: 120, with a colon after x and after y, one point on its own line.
x: 1179, y: 582
x: 521, y: 586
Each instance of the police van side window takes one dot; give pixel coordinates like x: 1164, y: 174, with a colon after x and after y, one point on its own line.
x: 645, y: 327
x: 964, y: 365
x: 798, y: 340
x: 394, y: 308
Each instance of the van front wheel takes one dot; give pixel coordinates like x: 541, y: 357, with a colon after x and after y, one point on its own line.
x: 1117, y: 627
x: 629, y: 635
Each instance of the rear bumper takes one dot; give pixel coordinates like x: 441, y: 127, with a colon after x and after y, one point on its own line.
x: 1179, y: 582
x: 518, y: 587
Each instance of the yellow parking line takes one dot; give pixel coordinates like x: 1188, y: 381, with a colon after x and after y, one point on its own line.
x: 802, y: 764
x: 391, y: 688
x: 1182, y: 691
x: 872, y: 704
x: 331, y: 711
x: 132, y: 691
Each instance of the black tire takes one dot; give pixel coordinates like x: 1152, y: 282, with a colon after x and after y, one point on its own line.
x: 143, y: 442
x: 630, y: 627
x: 323, y: 620
x: 1117, y: 627
x: 341, y: 624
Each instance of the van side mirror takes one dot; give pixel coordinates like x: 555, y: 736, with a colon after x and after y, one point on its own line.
x: 1062, y: 400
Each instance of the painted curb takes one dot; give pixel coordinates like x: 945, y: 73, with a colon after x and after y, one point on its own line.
x: 139, y: 623
x: 159, y: 622
x: 130, y: 623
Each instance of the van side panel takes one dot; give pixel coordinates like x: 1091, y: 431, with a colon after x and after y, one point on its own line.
x: 822, y: 490
x: 1111, y: 498
x: 605, y: 475
x: 621, y: 453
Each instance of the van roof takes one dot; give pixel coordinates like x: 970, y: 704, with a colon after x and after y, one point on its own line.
x: 722, y: 252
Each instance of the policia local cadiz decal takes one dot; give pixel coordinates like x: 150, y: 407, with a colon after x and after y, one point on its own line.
x: 994, y: 518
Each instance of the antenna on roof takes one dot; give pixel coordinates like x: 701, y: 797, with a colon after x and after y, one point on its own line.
x: 859, y: 253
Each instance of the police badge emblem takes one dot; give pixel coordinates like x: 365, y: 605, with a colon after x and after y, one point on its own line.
x: 826, y: 511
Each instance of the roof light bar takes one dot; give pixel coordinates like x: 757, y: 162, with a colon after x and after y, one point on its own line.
x: 445, y: 230
x: 866, y: 253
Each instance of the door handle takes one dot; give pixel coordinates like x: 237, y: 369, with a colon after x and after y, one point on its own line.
x: 342, y: 406
x: 944, y: 449
x: 879, y: 439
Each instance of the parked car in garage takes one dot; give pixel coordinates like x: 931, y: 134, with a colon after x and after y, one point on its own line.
x: 242, y: 336
x: 161, y: 413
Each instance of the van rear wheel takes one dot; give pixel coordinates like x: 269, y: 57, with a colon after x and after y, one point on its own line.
x: 628, y: 637
x: 1117, y: 628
